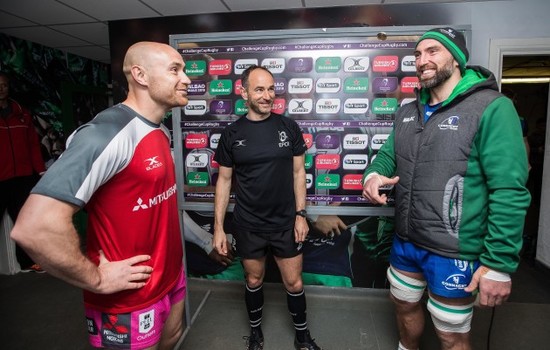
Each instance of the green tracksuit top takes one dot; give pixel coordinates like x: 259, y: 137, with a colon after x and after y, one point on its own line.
x: 461, y: 192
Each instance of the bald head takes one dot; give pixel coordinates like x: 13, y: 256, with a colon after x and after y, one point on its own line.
x: 143, y: 53
x: 156, y: 78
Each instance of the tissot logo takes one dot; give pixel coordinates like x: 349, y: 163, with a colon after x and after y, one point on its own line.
x: 196, y: 160
x: 356, y: 64
x: 355, y: 162
x: 328, y: 85
x: 274, y: 65
x: 328, y: 106
x: 300, y: 106
x: 242, y: 64
x: 356, y: 105
x: 152, y: 163
x: 408, y: 64
x: 356, y: 141
x: 378, y: 140
x: 195, y: 107
x: 155, y: 200
x: 300, y: 85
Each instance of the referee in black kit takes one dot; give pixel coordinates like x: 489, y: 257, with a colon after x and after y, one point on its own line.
x: 266, y: 151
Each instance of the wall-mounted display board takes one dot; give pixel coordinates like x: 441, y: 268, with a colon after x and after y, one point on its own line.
x: 342, y: 87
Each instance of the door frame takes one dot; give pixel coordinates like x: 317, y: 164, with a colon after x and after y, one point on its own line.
x: 529, y: 47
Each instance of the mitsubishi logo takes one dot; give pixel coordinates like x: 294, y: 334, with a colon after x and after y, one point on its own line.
x: 140, y: 205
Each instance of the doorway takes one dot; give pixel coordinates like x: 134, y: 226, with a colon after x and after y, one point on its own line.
x: 528, y: 59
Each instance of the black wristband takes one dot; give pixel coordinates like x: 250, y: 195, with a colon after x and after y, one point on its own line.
x: 301, y: 213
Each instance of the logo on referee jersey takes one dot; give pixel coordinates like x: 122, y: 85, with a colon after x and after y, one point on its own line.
x: 283, y: 138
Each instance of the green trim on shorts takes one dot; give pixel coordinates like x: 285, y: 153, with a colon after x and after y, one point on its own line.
x: 233, y: 272
x: 326, y: 280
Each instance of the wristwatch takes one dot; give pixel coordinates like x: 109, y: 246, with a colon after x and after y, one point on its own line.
x: 302, y: 213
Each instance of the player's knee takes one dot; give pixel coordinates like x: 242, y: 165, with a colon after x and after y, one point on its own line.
x: 294, y: 286
x: 451, y: 318
x: 253, y: 280
x: 405, y: 288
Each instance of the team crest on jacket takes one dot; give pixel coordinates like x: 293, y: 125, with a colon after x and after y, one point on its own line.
x: 450, y: 123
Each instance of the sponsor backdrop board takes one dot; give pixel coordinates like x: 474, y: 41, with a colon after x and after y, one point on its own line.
x: 342, y: 86
x: 342, y: 89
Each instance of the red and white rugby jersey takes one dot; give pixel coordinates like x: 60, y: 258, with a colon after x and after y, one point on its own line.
x: 119, y: 167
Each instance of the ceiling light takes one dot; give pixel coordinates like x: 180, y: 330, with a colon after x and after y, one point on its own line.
x: 525, y: 80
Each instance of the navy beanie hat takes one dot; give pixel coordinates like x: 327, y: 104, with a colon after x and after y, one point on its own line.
x: 453, y: 41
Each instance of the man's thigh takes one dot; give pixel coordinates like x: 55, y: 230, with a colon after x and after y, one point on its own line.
x: 254, y: 270
x: 291, y: 271
x: 173, y: 325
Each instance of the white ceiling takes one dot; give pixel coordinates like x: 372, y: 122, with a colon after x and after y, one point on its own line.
x: 81, y: 26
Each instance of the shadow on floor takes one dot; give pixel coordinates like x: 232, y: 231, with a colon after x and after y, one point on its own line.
x: 40, y: 312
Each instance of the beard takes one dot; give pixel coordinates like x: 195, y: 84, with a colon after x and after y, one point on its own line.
x: 259, y: 109
x: 441, y: 75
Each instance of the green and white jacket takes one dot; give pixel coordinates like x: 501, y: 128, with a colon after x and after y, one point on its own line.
x: 461, y: 191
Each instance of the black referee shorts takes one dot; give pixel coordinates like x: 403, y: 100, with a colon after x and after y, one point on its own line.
x: 256, y: 244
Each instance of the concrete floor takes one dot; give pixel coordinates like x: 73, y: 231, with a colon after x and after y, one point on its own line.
x: 40, y: 312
